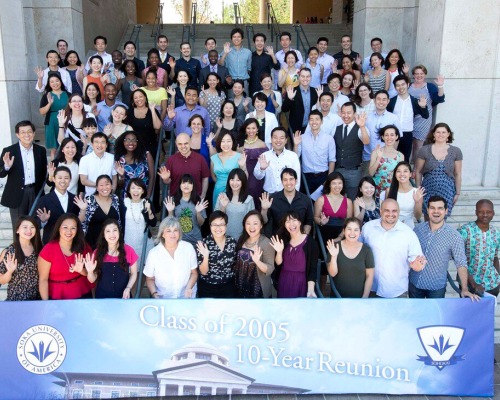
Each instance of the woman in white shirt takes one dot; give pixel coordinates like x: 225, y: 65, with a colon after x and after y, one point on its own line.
x: 171, y: 266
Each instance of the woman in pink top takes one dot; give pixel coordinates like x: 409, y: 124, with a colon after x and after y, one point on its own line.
x: 333, y: 207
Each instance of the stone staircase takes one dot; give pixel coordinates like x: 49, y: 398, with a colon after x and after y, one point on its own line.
x: 221, y: 33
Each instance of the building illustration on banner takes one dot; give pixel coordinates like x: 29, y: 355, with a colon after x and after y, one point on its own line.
x: 194, y: 369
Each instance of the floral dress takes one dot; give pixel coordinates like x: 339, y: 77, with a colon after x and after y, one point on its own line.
x: 383, y: 175
x: 138, y: 169
x: 24, y: 282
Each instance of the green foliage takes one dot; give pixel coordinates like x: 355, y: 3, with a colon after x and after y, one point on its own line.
x: 249, y: 10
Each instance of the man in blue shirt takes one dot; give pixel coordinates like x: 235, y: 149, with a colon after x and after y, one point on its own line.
x: 105, y: 107
x: 237, y: 58
x: 440, y: 243
x: 188, y: 63
x: 180, y: 116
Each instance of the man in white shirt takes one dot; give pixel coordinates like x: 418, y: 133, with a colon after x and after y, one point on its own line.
x: 396, y: 249
x: 97, y: 163
x: 331, y: 118
x: 100, y: 44
x: 326, y: 60
x: 273, y: 161
x: 376, y: 44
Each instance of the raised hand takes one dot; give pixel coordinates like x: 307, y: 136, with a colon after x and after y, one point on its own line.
x: 201, y: 205
x: 108, y: 130
x: 152, y: 106
x: 210, y: 139
x: 51, y: 168
x: 223, y: 200
x: 297, y: 138
x: 290, y: 92
x: 227, y: 47
x: 10, y: 262
x: 406, y: 69
x: 246, y: 102
x: 319, y: 91
x: 359, y: 202
x: 7, y: 160
x: 418, y: 195
x: 218, y: 122
x: 61, y: 118
x: 277, y: 244
x: 90, y: 263
x: 204, y: 60
x: 171, y: 91
x: 42, y: 214
x: 360, y: 119
x: 242, y: 161
x: 80, y: 202
x: 256, y: 254
x: 164, y: 173
x: 171, y: 112
x: 169, y: 204
x: 379, y: 151
x: 358, y: 60
x: 95, y: 111
x: 134, y: 87
x: 265, y: 201
x: 105, y: 79
x: 332, y: 248
x: 356, y: 83
x: 229, y: 79
x: 324, y: 218
x: 270, y: 50
x: 117, y: 73
x: 119, y: 168
x: 422, y: 101
x: 171, y: 62
x: 334, y: 65
x: 263, y: 163
x: 50, y: 99
x: 78, y: 265
x: 39, y: 72
x: 439, y: 80
x: 202, y: 249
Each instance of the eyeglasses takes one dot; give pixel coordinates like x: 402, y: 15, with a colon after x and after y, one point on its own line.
x: 129, y: 140
x: 218, y: 225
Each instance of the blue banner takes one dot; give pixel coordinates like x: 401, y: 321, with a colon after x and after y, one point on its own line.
x: 116, y: 348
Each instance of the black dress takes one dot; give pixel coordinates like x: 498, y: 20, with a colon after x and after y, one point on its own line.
x: 145, y: 129
x: 95, y: 224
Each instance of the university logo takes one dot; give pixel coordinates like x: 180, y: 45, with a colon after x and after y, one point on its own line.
x: 41, y: 349
x: 440, y: 342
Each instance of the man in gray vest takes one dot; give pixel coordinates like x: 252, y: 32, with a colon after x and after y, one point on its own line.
x: 350, y: 137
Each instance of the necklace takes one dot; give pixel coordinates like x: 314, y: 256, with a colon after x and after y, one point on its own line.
x: 113, y: 253
x: 134, y: 207
x: 66, y: 259
x: 251, y: 141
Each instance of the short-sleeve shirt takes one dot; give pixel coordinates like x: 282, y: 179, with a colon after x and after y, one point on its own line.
x: 171, y: 274
x: 481, y: 248
x: 454, y: 154
x: 350, y: 280
x: 221, y: 263
x: 194, y: 164
x: 185, y: 212
x: 94, y: 166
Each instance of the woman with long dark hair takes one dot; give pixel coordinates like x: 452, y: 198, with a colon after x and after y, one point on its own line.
x: 18, y: 265
x: 367, y: 203
x: 113, y: 265
x: 395, y: 65
x: 255, y: 259
x: 211, y: 97
x: 75, y: 71
x: 67, y: 156
x: 61, y: 266
x: 91, y: 96
x: 235, y: 201
x: 296, y: 258
x: 130, y: 82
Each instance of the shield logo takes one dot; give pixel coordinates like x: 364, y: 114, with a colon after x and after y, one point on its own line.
x: 440, y: 342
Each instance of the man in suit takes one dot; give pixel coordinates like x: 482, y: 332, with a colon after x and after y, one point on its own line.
x: 213, y: 66
x: 300, y: 101
x: 58, y: 202
x: 25, y: 166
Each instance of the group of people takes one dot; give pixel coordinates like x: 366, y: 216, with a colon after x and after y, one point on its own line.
x: 248, y: 126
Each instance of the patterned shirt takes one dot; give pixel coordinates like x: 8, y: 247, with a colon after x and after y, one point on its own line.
x: 481, y: 248
x: 220, y: 263
x: 439, y: 248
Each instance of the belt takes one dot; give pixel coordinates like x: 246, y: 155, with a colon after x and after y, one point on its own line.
x: 29, y: 186
x: 350, y: 168
x: 316, y: 173
x: 66, y: 282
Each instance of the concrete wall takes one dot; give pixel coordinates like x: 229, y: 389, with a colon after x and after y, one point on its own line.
x: 108, y: 18
x: 146, y: 11
x: 394, y: 21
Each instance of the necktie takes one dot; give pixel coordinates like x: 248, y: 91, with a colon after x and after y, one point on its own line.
x: 345, y: 132
x: 162, y: 56
x: 214, y: 69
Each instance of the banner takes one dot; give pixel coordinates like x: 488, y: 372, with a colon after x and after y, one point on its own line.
x: 127, y: 348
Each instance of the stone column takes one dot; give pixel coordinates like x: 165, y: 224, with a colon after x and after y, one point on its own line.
x: 229, y: 391
x: 394, y: 21
x: 337, y: 11
x: 214, y: 390
x: 163, y: 389
x: 197, y: 390
x: 180, y: 390
x: 186, y: 11
x: 262, y: 12
x: 472, y: 107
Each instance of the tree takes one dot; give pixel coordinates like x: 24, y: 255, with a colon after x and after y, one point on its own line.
x: 249, y: 10
x: 204, y: 13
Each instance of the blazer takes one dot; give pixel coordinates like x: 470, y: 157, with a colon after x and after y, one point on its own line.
x: 296, y: 107
x: 51, y: 203
x: 417, y: 110
x: 221, y: 71
x: 14, y: 188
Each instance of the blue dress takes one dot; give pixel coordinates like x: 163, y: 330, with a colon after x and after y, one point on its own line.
x: 222, y: 171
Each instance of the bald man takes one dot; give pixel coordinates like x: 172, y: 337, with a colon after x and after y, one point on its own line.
x: 396, y: 249
x: 185, y: 161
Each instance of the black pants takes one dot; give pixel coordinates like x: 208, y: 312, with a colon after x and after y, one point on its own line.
x: 26, y: 202
x: 405, y: 144
x: 224, y: 291
x: 315, y: 180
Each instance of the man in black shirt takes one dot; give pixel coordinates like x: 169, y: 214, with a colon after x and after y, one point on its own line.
x: 263, y: 59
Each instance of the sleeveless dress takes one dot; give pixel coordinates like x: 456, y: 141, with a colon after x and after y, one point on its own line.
x: 255, y: 186
x: 421, y: 126
x: 52, y: 124
x: 293, y: 282
x: 98, y: 82
x: 438, y: 183
x: 406, y: 207
x: 138, y: 169
x: 372, y: 214
x: 334, y: 226
x: 246, y: 277
x: 222, y: 171
x: 383, y: 175
x: 74, y: 82
x: 376, y: 82
x: 291, y: 80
